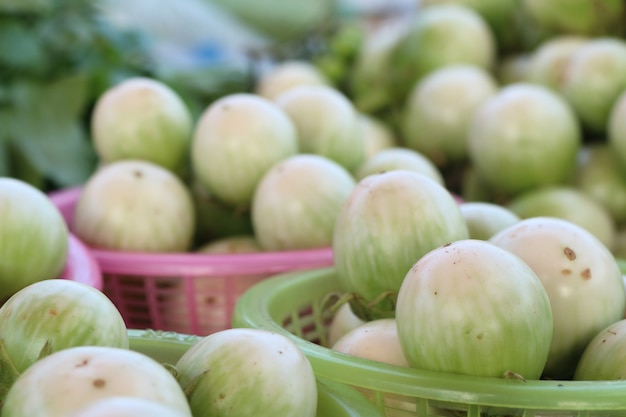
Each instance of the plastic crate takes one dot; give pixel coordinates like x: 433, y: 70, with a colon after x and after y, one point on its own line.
x: 334, y: 399
x: 189, y: 293
x: 297, y: 305
x: 81, y: 266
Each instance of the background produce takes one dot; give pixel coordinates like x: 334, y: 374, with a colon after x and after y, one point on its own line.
x: 441, y: 135
x: 364, y: 52
x: 545, y: 49
x: 236, y: 140
x: 145, y: 119
x: 297, y: 201
x: 395, y: 157
x: 337, y: 137
x: 135, y: 205
x: 485, y: 219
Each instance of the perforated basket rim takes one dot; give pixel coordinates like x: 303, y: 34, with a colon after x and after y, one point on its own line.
x: 261, y: 305
x: 159, y: 264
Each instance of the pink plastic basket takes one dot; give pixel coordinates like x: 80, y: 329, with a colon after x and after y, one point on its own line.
x: 81, y: 265
x: 190, y: 293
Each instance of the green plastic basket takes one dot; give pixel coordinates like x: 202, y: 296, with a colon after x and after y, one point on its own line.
x: 296, y: 305
x: 334, y: 399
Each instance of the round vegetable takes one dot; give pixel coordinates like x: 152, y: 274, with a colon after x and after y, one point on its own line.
x: 376, y: 340
x: 231, y: 244
x: 245, y: 372
x: 508, y: 138
x: 400, y: 158
x: 616, y: 130
x: 56, y: 314
x: 376, y: 134
x: 599, y: 174
x: 327, y: 123
x: 438, y: 36
x: 568, y: 203
x: 584, y: 17
x: 388, y: 222
x: 603, y: 358
x: 297, y: 202
x: 500, y: 15
x: 286, y: 75
x: 33, y: 237
x: 135, y: 206
x: 581, y: 277
x: 485, y: 219
x: 71, y: 379
x: 548, y: 62
x: 473, y: 308
x: 439, y: 109
x: 142, y: 118
x: 594, y: 78
x: 343, y: 321
x: 236, y: 140
x: 369, y: 80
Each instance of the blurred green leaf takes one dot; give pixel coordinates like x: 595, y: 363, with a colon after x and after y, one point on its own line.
x: 26, y: 6
x: 60, y: 152
x: 62, y: 99
x: 23, y: 168
x: 45, y: 127
x: 19, y: 47
x: 5, y: 166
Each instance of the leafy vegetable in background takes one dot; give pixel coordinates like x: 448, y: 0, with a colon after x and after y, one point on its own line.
x: 56, y: 57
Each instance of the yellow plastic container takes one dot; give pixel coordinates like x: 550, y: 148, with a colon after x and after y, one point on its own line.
x: 296, y: 305
x: 334, y: 399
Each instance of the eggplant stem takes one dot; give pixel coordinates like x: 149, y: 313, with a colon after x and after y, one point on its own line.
x: 334, y: 300
x: 513, y: 375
